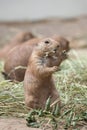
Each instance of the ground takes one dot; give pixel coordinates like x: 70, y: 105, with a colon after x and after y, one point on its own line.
x: 14, y: 124
x: 74, y: 29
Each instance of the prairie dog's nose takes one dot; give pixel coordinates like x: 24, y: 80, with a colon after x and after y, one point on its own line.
x: 54, y: 50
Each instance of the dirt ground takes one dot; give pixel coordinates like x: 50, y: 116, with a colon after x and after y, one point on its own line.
x: 74, y: 29
x: 14, y: 124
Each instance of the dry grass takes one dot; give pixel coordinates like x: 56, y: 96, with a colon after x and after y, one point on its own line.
x: 71, y: 82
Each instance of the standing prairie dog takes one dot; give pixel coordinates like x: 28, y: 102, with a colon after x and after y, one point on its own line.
x: 38, y: 81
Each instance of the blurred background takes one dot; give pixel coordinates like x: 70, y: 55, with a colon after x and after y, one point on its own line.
x: 16, y: 10
x: 44, y: 18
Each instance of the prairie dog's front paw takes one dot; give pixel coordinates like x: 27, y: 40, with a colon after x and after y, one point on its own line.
x: 55, y: 68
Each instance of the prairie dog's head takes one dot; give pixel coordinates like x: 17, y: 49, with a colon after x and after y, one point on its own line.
x: 23, y: 37
x: 48, y: 46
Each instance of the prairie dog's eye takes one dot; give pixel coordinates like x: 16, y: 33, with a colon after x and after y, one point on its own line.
x: 47, y: 42
x: 58, y: 46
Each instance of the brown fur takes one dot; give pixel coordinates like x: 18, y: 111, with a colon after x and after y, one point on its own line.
x: 17, y: 40
x: 38, y: 82
x: 64, y: 42
x: 19, y: 56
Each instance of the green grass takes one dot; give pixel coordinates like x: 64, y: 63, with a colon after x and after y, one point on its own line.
x: 71, y: 83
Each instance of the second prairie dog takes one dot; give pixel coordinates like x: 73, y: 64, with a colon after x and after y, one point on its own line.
x: 38, y: 82
x: 19, y: 56
x: 17, y: 40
